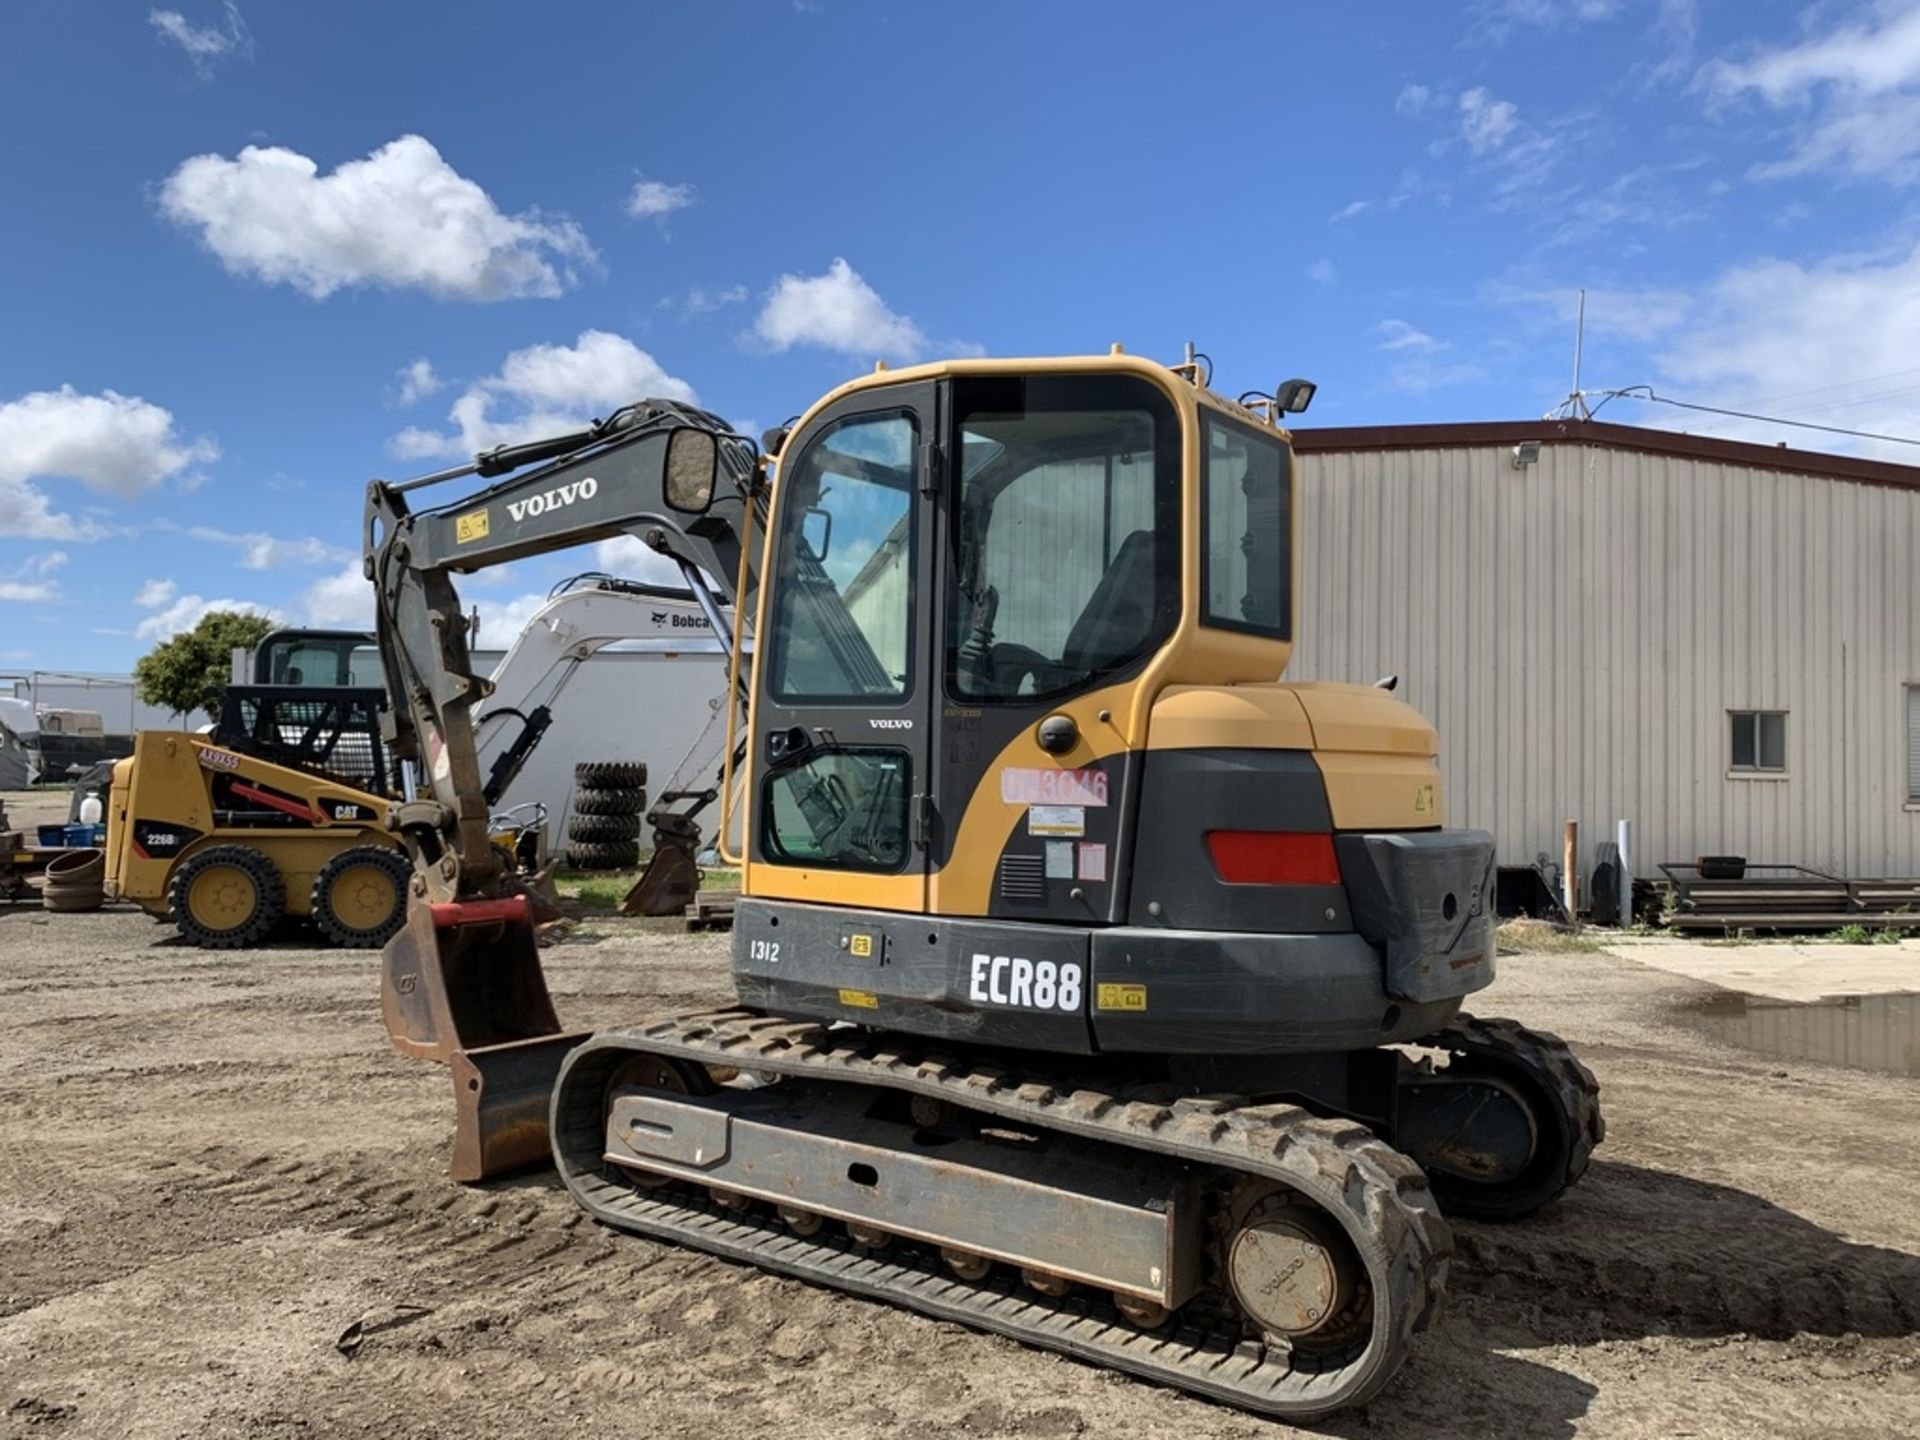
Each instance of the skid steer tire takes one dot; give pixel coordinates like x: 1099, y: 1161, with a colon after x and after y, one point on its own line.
x: 598, y: 829
x: 610, y: 775
x: 608, y: 855
x: 359, y: 897
x: 609, y: 802
x: 226, y: 897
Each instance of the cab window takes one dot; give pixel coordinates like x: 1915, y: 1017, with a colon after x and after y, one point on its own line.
x: 1247, y: 517
x: 1064, y: 534
x: 842, y: 623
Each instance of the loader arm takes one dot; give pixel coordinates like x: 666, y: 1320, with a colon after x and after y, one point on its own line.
x: 462, y: 982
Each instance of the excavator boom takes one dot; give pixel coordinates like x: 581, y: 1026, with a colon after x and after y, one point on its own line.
x: 462, y: 982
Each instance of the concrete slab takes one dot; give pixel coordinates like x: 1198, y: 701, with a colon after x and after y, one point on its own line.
x: 1783, y: 971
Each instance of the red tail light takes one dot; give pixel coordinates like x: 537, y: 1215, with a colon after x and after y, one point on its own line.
x: 1273, y: 857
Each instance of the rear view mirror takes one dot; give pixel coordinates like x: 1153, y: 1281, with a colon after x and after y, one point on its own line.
x: 693, y: 462
x: 816, y: 531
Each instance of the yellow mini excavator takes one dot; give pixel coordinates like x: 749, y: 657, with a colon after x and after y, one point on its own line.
x: 1095, y: 986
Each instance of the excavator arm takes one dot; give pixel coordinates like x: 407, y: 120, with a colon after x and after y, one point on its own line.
x: 462, y: 982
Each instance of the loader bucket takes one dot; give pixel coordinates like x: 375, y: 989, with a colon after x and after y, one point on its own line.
x: 461, y: 983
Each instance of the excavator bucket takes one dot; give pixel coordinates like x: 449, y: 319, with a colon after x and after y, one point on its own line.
x: 667, y: 885
x: 462, y: 984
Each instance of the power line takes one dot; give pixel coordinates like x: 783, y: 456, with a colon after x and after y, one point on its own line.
x: 1645, y: 392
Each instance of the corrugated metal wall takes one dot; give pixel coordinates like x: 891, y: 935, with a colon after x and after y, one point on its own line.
x: 1579, y: 628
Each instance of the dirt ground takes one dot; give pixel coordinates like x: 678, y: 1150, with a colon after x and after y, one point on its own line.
x: 212, y: 1167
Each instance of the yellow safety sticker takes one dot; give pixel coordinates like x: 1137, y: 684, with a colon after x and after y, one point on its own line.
x: 860, y: 999
x: 1120, y: 997
x: 1423, y: 800
x: 861, y: 946
x: 468, y: 528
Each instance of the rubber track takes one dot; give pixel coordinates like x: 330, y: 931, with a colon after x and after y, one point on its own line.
x: 1552, y: 1064
x: 1378, y: 1195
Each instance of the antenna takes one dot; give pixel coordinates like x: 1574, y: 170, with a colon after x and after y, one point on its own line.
x: 1577, y: 403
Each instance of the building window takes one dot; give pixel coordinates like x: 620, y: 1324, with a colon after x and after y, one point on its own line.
x: 1759, y: 741
x: 1913, y: 744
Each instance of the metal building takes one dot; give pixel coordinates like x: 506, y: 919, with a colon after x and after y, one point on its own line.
x: 1718, y: 641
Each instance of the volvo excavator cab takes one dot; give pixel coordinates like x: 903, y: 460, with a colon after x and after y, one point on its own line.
x: 1077, y: 950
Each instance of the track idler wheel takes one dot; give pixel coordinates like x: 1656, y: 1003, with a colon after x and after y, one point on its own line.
x: 674, y: 1077
x: 1294, y: 1271
x: 868, y: 1237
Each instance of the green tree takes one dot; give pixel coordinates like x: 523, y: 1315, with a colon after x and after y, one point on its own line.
x: 190, y: 671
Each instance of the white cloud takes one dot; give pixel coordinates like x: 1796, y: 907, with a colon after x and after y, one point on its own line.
x: 1643, y: 315
x: 1485, y: 123
x: 1854, y: 91
x: 418, y: 381
x: 1422, y: 374
x: 836, y: 311
x: 155, y: 593
x: 1399, y: 335
x: 1830, y: 343
x: 655, y: 199
x: 401, y: 218
x: 33, y: 581
x: 260, y: 551
x: 204, y: 45
x: 626, y: 557
x: 342, y: 601
x: 1322, y: 272
x: 700, y: 300
x: 1412, y: 100
x: 118, y: 443
x: 544, y: 390
x: 187, y: 611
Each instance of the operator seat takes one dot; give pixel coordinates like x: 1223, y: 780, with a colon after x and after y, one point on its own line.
x: 1119, y: 614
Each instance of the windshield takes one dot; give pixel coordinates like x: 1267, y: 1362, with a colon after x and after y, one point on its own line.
x: 843, y: 610
x: 1065, y: 534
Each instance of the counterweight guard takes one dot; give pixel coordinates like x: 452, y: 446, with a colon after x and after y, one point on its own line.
x: 462, y: 984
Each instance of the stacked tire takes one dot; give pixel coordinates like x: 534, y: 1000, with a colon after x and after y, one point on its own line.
x: 609, y: 802
x: 75, y: 881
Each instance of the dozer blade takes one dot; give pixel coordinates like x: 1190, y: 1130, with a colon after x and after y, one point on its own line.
x: 461, y: 983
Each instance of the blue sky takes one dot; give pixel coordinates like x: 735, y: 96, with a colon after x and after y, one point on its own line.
x: 251, y: 254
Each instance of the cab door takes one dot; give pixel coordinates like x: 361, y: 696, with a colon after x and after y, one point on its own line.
x: 841, y: 759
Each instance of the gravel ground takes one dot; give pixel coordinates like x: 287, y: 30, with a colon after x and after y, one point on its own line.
x: 213, y: 1168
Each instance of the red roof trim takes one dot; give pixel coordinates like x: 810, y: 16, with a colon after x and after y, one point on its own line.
x: 1617, y: 437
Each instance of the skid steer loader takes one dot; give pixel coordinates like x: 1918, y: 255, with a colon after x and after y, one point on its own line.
x: 279, y: 810
x: 1095, y: 985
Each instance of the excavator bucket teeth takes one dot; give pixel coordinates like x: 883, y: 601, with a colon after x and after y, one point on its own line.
x: 462, y: 976
x: 501, y: 1095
